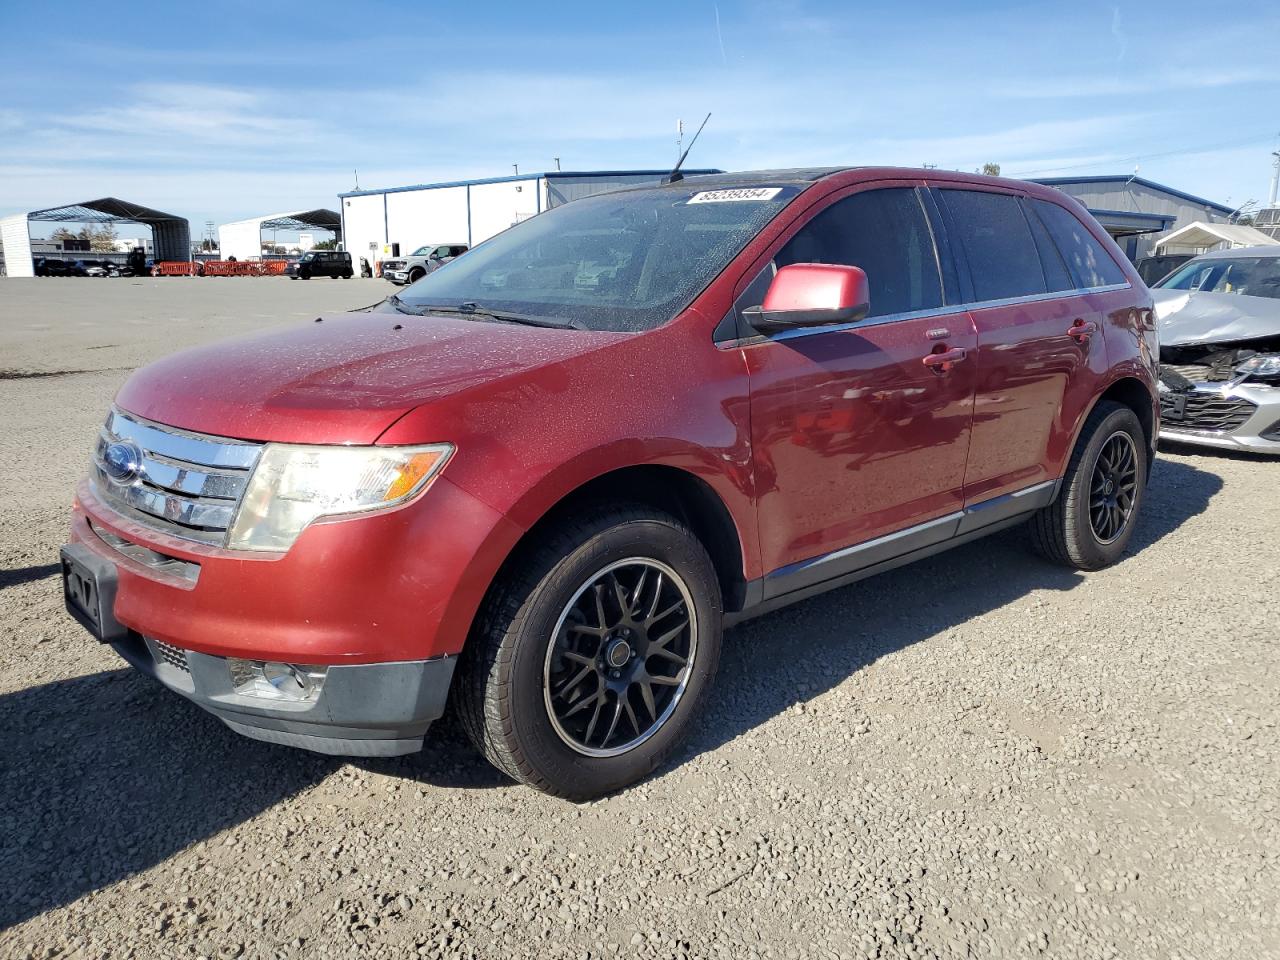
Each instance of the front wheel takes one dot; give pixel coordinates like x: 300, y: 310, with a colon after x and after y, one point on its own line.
x: 592, y: 655
x: 1090, y: 524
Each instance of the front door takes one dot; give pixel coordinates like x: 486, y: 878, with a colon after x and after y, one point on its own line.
x: 861, y: 431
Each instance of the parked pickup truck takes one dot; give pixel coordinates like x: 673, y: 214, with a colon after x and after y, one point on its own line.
x: 541, y: 502
x: 422, y: 261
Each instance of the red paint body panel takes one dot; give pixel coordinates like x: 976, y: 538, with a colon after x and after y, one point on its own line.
x: 854, y: 436
x: 372, y: 589
x: 812, y: 443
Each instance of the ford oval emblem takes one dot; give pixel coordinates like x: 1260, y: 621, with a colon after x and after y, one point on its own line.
x: 122, y: 462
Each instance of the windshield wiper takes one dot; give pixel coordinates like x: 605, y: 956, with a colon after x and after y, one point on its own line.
x: 400, y: 305
x: 470, y: 309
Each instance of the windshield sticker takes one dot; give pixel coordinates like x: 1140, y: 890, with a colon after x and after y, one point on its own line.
x: 730, y: 196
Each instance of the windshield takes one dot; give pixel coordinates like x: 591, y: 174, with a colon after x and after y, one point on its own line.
x: 422, y: 251
x: 626, y: 261
x: 1247, y: 276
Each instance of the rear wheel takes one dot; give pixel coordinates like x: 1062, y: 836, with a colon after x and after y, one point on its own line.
x: 592, y: 656
x: 1090, y: 524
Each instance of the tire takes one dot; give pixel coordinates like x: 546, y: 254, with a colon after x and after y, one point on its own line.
x: 531, y: 624
x: 346, y: 275
x: 416, y: 275
x: 1075, y: 531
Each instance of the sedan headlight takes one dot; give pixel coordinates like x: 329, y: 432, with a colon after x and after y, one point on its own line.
x: 1263, y: 365
x: 293, y: 485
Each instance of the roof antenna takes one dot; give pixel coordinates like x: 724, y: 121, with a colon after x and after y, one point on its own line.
x: 675, y: 174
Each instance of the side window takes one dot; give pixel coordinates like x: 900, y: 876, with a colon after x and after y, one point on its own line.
x: 1088, y: 259
x: 996, y: 240
x: 1056, y: 275
x: 885, y: 233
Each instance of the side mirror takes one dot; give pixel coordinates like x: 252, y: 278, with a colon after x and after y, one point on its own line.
x: 811, y: 295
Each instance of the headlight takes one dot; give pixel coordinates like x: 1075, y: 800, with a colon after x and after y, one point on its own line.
x: 292, y: 486
x: 1263, y: 365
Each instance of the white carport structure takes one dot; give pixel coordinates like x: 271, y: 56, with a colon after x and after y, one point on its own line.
x: 1200, y: 237
x: 242, y: 239
x: 171, y: 235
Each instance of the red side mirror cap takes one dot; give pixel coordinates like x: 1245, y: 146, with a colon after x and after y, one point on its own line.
x: 813, y: 294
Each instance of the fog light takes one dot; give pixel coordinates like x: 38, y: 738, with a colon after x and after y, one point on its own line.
x: 276, y: 681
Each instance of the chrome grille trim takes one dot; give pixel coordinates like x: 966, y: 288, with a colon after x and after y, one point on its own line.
x: 183, y: 445
x: 160, y: 562
x: 189, y: 485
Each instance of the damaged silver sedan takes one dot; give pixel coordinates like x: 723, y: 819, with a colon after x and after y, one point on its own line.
x: 1220, y: 350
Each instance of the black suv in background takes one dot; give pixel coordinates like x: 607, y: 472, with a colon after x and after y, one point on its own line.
x: 321, y: 263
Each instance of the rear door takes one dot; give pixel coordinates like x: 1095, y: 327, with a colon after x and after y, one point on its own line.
x: 1040, y: 349
x: 859, y: 445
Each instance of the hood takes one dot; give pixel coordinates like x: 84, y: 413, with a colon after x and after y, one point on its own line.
x: 340, y: 379
x: 1188, y: 318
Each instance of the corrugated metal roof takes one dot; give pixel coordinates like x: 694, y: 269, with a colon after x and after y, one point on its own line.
x: 1125, y: 178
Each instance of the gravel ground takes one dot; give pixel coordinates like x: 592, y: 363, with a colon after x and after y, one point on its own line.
x: 978, y: 755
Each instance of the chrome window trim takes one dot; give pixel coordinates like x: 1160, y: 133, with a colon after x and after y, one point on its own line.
x: 948, y: 310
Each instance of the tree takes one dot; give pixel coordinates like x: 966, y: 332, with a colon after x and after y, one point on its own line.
x: 104, y: 238
x: 325, y: 245
x: 991, y: 169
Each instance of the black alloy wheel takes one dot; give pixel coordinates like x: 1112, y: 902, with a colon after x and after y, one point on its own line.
x: 620, y: 657
x: 1112, y: 487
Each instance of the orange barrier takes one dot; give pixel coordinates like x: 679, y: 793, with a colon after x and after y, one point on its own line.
x: 232, y: 268
x: 173, y: 268
x: 244, y: 268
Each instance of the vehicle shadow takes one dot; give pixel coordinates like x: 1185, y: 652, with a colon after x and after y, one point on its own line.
x: 106, y: 775
x: 19, y: 575
x: 795, y: 654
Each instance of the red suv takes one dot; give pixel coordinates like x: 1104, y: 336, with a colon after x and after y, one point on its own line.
x: 543, y: 479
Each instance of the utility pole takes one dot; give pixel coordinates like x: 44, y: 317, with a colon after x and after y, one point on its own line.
x: 1275, y: 178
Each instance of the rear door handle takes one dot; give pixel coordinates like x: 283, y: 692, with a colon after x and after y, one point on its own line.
x: 942, y: 361
x: 1082, y: 330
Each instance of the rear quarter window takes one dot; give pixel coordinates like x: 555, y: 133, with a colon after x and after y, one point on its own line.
x: 1088, y: 259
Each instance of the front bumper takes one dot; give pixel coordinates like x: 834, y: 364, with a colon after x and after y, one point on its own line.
x: 1259, y: 431
x: 363, y: 710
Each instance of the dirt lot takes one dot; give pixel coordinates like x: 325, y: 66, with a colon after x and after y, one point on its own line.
x: 979, y: 755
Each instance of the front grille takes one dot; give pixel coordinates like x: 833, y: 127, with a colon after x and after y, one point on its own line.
x: 1205, y: 411
x: 1195, y: 372
x: 167, y: 653
x: 186, y: 484
x: 389, y: 265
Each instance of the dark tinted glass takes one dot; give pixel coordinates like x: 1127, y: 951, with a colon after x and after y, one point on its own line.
x: 997, y: 241
x: 1056, y: 275
x: 885, y: 233
x: 1088, y: 259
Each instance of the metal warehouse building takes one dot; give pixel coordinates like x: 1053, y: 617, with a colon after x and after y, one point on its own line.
x: 1138, y: 212
x: 381, y: 223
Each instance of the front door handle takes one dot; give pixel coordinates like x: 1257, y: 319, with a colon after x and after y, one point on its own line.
x: 1082, y: 330
x: 942, y: 362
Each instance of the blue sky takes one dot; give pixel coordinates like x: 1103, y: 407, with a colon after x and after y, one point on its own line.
x: 232, y: 109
